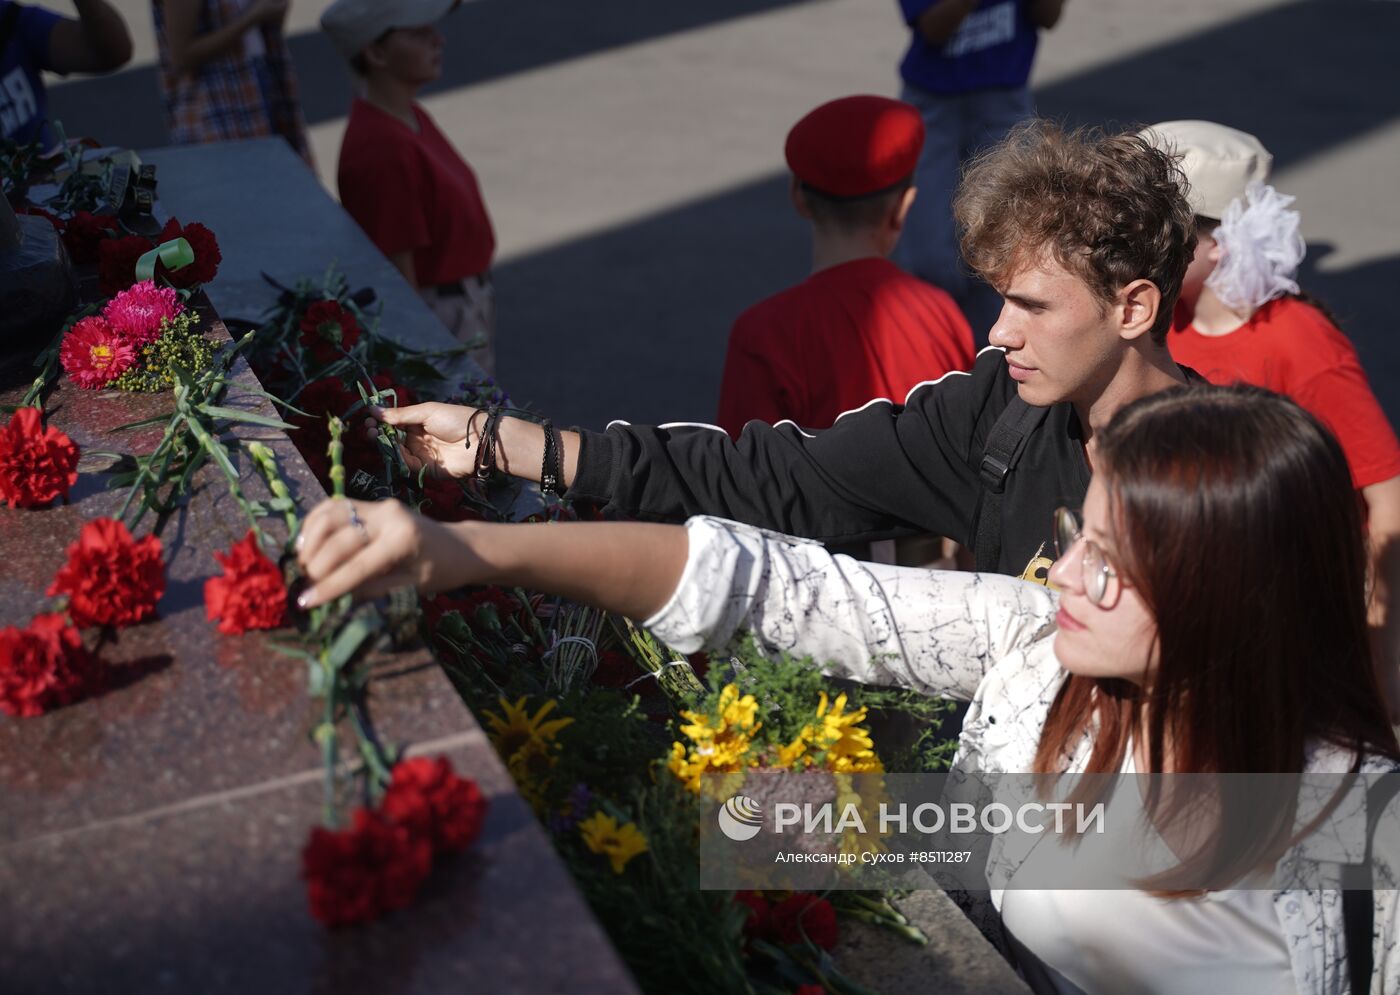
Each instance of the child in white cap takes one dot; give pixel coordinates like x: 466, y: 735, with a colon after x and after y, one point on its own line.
x: 1242, y: 317
x: 400, y: 178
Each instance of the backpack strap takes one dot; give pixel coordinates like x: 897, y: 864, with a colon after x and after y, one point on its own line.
x: 1005, y: 444
x: 1358, y: 903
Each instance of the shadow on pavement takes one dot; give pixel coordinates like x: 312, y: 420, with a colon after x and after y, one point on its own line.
x: 486, y: 39
x: 1304, y: 77
x: 632, y: 323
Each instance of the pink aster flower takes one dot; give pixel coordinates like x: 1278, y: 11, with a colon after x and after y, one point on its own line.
x: 93, y: 355
x: 137, y: 313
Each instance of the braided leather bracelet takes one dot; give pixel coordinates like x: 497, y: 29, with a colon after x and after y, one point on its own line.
x: 488, y: 444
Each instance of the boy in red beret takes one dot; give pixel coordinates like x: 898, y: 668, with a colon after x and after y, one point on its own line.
x: 859, y: 327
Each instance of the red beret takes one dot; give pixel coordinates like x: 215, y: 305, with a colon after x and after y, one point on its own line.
x: 856, y: 145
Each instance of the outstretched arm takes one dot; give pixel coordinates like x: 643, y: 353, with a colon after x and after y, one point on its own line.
x: 880, y: 470
x: 627, y: 568
x: 696, y: 586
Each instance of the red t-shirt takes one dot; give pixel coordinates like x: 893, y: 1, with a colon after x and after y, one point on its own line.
x: 414, y: 192
x: 857, y: 331
x: 1291, y: 348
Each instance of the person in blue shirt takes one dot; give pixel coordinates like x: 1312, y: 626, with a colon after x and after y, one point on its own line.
x: 34, y: 39
x: 966, y: 71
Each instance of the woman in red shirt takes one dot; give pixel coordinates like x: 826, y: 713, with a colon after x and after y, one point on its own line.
x: 400, y: 178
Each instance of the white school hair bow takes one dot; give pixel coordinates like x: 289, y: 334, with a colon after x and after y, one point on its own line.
x: 1261, y: 249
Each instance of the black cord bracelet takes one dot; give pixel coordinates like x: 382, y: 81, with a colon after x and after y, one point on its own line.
x: 489, y: 444
x: 552, y: 469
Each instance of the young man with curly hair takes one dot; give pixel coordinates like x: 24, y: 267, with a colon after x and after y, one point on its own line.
x: 1085, y: 235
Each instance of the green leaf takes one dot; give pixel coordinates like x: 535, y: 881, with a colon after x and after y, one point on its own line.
x: 248, y: 417
x: 348, y: 642
x: 283, y: 650
x: 176, y: 254
x: 318, y: 682
x: 143, y: 423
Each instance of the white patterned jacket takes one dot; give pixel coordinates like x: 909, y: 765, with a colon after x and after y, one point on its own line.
x: 987, y: 639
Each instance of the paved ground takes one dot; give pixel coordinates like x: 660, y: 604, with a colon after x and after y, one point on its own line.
x: 631, y: 155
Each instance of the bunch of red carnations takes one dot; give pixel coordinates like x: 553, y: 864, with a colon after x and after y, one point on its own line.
x: 380, y: 862
x: 117, y: 256
x: 109, y: 579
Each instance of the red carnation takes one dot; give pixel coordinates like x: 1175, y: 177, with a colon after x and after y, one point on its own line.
x: 429, y: 799
x: 250, y: 594
x: 206, y: 254
x: 357, y: 874
x: 116, y: 262
x: 84, y: 234
x: 110, y: 579
x: 37, y: 464
x: 43, y: 666
x: 328, y: 396
x: 327, y: 328
x: 805, y: 913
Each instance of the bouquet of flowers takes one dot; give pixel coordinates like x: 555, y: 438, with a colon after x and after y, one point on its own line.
x: 135, y: 342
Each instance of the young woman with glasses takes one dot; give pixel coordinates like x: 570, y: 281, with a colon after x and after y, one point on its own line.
x: 1210, y: 618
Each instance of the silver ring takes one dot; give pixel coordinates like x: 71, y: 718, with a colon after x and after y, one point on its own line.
x: 356, y: 521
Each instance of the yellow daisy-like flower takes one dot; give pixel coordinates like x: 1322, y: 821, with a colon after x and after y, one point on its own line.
x: 517, y: 729
x: 721, y: 744
x: 619, y: 844
x: 848, y: 746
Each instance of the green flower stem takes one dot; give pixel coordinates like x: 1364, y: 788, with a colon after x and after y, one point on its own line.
x: 166, y: 441
x: 266, y: 463
x: 216, y: 452
x: 325, y: 735
x: 336, y: 452
x: 370, y: 747
x: 911, y: 933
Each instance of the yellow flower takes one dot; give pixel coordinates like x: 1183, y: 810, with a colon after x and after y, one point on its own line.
x: 517, y: 729
x: 686, y: 768
x: 736, y: 711
x: 619, y: 844
x: 721, y: 744
x: 795, y: 753
x: 848, y: 747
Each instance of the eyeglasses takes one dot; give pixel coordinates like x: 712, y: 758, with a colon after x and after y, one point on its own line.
x: 1096, y: 571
